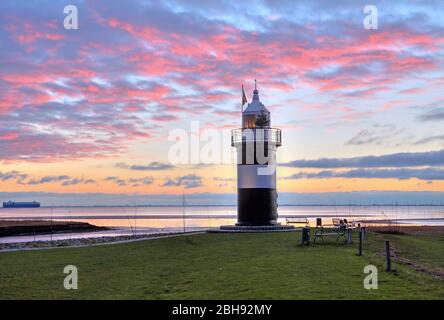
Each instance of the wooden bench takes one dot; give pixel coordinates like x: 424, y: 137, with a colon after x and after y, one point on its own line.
x: 298, y: 220
x: 339, y: 231
x: 341, y: 222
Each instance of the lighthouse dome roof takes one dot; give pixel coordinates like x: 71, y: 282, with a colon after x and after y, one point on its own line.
x: 256, y: 106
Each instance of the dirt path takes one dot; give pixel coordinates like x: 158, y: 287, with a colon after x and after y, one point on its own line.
x: 417, y: 267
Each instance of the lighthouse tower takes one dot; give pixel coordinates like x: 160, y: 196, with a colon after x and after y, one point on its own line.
x: 256, y: 143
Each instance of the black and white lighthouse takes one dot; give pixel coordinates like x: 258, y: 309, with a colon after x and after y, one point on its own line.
x: 256, y: 143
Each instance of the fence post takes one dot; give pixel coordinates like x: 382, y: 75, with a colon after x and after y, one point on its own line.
x: 388, y: 256
x: 349, y: 236
x: 361, y: 238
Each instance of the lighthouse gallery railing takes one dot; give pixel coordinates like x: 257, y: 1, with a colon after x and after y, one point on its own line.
x: 270, y: 135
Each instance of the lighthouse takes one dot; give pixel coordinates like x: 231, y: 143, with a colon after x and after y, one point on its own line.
x: 256, y: 143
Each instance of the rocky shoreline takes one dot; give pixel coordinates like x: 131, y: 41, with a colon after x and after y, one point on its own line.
x: 10, y: 228
x: 82, y: 241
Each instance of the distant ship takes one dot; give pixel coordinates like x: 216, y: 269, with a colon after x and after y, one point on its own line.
x: 11, y: 204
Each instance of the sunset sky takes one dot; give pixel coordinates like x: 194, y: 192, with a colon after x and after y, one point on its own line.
x: 90, y: 110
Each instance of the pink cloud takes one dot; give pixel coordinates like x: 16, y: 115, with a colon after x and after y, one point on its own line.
x: 209, y: 63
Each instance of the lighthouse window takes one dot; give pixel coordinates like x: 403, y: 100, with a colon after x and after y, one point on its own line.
x: 249, y: 121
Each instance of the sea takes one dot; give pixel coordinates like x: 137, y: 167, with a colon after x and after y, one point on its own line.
x: 132, y: 220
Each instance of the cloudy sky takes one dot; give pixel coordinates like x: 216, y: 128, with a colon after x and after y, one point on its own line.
x: 90, y: 110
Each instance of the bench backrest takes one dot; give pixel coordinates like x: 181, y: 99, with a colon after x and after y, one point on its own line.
x: 301, y: 220
x: 336, y: 230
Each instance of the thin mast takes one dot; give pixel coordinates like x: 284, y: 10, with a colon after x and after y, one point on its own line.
x: 183, y: 211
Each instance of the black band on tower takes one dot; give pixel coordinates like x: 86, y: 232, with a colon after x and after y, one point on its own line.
x: 256, y: 207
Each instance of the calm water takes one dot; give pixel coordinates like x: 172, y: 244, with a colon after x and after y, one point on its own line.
x: 130, y: 220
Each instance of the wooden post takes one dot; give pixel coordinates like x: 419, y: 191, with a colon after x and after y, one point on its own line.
x: 388, y: 256
x: 349, y: 236
x: 361, y: 239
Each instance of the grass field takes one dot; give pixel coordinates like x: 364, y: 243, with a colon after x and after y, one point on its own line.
x: 228, y: 266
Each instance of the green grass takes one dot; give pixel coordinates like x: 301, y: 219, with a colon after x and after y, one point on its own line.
x: 222, y: 266
x: 425, y: 251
